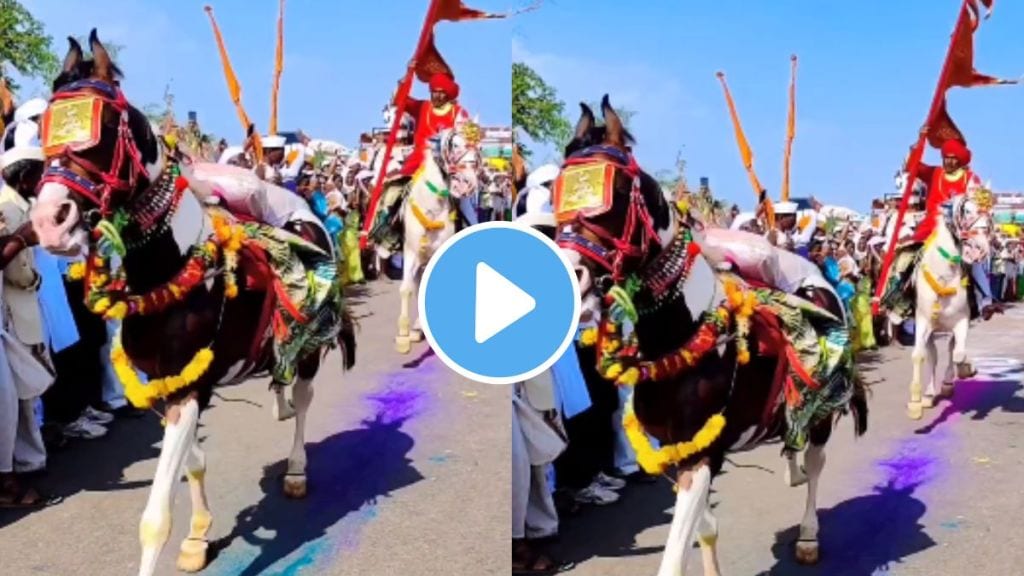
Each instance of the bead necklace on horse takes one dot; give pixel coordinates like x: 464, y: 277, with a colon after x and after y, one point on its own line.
x: 203, y: 298
x: 715, y: 364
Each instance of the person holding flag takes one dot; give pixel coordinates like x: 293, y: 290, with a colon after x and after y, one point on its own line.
x: 443, y: 112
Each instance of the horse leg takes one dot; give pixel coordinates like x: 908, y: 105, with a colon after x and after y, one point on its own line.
x: 707, y: 536
x: 302, y: 397
x: 416, y: 333
x: 155, y: 527
x: 807, y: 544
x: 931, y: 370
x: 964, y: 369
x: 795, y: 474
x: 283, y: 408
x: 192, y: 557
x: 922, y: 333
x: 403, y: 342
x: 691, y: 499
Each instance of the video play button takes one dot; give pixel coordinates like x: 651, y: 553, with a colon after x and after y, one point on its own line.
x: 499, y: 303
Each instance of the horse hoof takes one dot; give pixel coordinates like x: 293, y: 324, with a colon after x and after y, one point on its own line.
x: 965, y: 370
x: 947, y: 390
x: 192, y: 557
x: 416, y: 335
x: 403, y: 344
x: 915, y: 411
x: 807, y: 552
x: 295, y: 487
x: 928, y: 402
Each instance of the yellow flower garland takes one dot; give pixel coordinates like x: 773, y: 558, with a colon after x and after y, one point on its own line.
x: 144, y: 395
x: 657, y: 461
x: 933, y: 283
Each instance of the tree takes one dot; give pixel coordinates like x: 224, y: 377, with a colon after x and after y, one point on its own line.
x: 24, y: 45
x: 536, y: 109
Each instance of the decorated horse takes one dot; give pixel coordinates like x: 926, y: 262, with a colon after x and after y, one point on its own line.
x: 715, y: 363
x: 203, y: 298
x: 942, y: 303
x: 448, y: 171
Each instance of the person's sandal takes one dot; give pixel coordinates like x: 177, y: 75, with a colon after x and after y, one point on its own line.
x: 15, y: 496
x: 527, y: 562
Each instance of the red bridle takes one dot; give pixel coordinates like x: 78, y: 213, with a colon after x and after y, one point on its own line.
x: 613, y: 251
x: 102, y: 184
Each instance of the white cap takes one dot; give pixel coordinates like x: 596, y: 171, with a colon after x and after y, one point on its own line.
x: 542, y: 176
x: 785, y: 207
x: 229, y: 153
x: 33, y: 107
x: 272, y: 141
x: 26, y: 144
x: 539, y: 211
x: 742, y: 220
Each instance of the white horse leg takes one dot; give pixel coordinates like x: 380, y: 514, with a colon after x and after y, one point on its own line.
x: 416, y: 333
x: 807, y: 544
x: 707, y: 535
x: 691, y: 500
x: 283, y: 409
x: 409, y: 263
x: 794, y: 475
x: 959, y: 354
x: 931, y: 371
x: 192, y: 557
x: 155, y: 527
x: 922, y: 333
x: 295, y: 477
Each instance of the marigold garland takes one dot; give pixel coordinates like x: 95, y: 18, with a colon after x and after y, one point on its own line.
x: 144, y: 395
x: 657, y: 461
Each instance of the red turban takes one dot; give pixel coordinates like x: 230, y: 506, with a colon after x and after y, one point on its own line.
x: 444, y: 83
x: 958, y: 150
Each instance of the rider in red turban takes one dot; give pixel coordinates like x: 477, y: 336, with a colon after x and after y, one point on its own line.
x: 953, y: 179
x: 444, y: 84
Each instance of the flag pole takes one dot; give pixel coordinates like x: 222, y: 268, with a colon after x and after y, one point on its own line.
x: 746, y: 154
x: 790, y: 129
x: 278, y: 68
x: 915, y: 160
x: 401, y: 97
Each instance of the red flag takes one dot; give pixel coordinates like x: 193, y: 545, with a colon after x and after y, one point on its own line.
x: 431, y: 62
x: 961, y: 55
x: 942, y: 128
x: 455, y: 11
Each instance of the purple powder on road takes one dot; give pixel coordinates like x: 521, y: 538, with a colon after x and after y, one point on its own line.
x: 397, y: 404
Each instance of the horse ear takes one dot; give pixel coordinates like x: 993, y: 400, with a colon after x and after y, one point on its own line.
x: 74, y: 55
x: 586, y: 121
x: 103, y: 68
x: 612, y: 122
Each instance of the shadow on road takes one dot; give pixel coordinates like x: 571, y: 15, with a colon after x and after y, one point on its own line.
x: 345, y: 472
x: 98, y: 465
x: 862, y: 536
x: 641, y: 507
x: 979, y: 398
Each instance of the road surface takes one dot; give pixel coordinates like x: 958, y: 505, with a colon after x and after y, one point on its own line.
x: 941, y: 496
x: 408, y: 474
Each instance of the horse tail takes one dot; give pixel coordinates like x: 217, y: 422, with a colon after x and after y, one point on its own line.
x: 347, y: 339
x: 859, y: 406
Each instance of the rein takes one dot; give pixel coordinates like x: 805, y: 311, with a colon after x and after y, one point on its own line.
x: 125, y: 149
x: 638, y: 217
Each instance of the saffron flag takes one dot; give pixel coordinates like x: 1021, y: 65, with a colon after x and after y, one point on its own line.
x: 278, y: 68
x: 790, y: 130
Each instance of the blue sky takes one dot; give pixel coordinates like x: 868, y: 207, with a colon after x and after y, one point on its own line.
x: 343, y: 58
x: 866, y: 76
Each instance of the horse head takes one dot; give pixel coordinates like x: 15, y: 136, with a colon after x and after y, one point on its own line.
x: 457, y: 155
x: 102, y: 152
x: 969, y: 220
x: 613, y: 218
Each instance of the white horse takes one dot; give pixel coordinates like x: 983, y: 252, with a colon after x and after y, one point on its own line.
x: 942, y: 305
x: 450, y: 170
